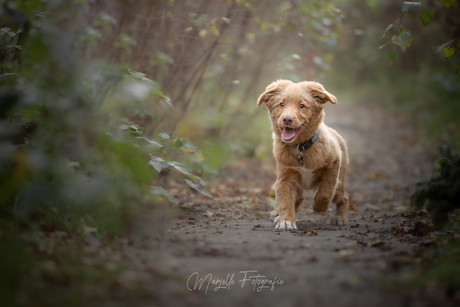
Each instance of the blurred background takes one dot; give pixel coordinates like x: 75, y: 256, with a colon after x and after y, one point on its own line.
x: 100, y: 99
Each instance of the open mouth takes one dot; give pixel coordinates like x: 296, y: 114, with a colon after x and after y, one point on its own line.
x: 289, y: 133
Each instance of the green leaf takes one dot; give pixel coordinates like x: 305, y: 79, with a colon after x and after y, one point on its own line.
x: 258, y: 214
x: 199, y: 187
x: 448, y: 51
x: 177, y: 166
x: 448, y: 3
x: 158, y: 164
x: 212, y: 28
x: 8, y: 31
x: 198, y: 155
x: 443, y: 161
x: 136, y: 128
x: 170, y: 16
x: 187, y: 144
x: 387, y: 29
x: 386, y: 44
x: 203, y: 33
x: 420, y: 202
x: 410, y: 6
x: 162, y: 192
x: 153, y: 144
x: 177, y: 142
x: 164, y: 136
x: 138, y: 75
x: 403, y: 39
x: 167, y: 100
x: 426, y: 17
x: 392, y: 57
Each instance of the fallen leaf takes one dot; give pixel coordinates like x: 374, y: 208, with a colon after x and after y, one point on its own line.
x: 347, y: 252
x: 351, y: 207
x: 378, y: 244
x: 369, y: 207
x: 372, y: 176
x: 422, y: 229
x: 208, y: 213
x: 271, y: 202
x: 210, y: 252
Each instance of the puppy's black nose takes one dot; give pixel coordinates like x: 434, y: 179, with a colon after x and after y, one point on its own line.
x: 287, y: 120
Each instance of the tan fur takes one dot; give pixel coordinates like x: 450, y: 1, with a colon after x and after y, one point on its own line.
x: 325, y: 162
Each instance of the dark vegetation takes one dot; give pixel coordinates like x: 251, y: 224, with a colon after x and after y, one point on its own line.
x: 99, y: 100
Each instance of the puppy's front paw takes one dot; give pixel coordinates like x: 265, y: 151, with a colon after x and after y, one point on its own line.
x: 286, y: 225
x: 336, y: 220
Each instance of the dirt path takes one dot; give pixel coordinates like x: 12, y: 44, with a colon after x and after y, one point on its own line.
x: 319, y: 265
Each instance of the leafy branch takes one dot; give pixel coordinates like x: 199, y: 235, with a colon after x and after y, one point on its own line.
x: 441, y: 193
x: 402, y: 37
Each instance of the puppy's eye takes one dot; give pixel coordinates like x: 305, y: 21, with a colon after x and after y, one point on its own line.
x: 301, y: 106
x: 282, y: 104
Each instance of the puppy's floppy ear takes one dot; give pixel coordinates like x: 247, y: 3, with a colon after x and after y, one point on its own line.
x: 272, y: 90
x: 317, y: 91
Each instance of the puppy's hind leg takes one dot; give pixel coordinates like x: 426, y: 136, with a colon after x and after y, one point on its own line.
x: 341, y: 201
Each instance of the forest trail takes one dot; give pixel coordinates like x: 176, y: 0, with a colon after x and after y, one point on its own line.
x: 318, y: 265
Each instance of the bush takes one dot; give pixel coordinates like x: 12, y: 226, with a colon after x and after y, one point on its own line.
x: 442, y: 191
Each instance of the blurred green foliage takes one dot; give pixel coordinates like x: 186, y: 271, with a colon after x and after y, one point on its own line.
x: 420, y: 80
x: 71, y: 160
x: 442, y: 191
x: 99, y: 99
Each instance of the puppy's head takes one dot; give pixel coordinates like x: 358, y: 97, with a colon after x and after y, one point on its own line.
x: 295, y: 108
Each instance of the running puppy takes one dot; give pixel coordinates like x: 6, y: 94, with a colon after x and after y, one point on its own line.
x: 309, y: 155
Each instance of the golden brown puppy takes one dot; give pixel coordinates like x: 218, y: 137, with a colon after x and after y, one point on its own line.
x: 309, y: 155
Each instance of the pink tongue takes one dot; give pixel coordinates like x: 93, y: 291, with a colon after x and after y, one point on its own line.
x: 288, y: 133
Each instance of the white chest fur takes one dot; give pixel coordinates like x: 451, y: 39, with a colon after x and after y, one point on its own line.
x: 307, y: 176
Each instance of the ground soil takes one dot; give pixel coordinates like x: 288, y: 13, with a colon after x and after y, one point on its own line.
x: 220, y: 238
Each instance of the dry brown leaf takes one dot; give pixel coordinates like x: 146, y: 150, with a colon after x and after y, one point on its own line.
x: 369, y: 207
